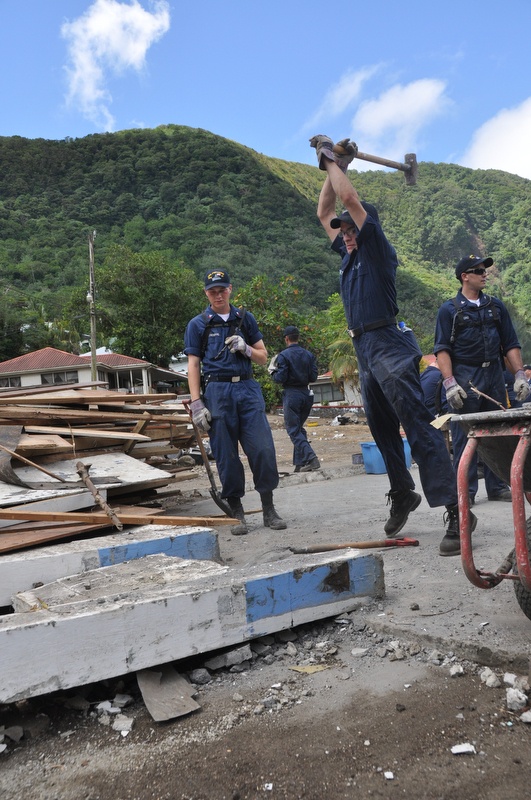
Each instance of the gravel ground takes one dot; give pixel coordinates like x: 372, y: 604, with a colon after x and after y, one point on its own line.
x: 369, y: 704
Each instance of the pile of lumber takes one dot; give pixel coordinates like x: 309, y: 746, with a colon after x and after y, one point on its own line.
x: 55, y: 421
x: 67, y: 449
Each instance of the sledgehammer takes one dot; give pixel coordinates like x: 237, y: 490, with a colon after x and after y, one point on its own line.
x: 409, y: 168
x: 323, y: 548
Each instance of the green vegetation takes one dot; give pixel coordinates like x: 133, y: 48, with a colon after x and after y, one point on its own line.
x: 170, y: 203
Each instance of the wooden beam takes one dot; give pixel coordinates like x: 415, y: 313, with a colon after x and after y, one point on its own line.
x: 97, y: 516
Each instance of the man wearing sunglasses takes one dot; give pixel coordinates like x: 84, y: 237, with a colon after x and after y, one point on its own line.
x: 473, y: 336
x: 388, y: 357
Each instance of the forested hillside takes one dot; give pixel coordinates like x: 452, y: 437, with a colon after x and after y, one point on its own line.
x: 195, y: 200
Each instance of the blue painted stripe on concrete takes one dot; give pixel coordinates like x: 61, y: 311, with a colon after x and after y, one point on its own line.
x: 319, y: 585
x: 200, y: 545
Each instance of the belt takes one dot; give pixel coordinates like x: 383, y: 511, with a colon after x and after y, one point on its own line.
x: 227, y: 378
x: 372, y: 326
x: 475, y: 363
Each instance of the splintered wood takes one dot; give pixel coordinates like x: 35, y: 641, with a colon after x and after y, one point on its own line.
x: 52, y: 442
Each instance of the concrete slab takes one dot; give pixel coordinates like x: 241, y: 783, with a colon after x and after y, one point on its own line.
x: 427, y: 597
x: 135, y: 615
x: 21, y: 571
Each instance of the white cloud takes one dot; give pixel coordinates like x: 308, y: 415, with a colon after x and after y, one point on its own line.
x: 340, y: 96
x: 108, y: 39
x: 390, y: 125
x: 503, y: 142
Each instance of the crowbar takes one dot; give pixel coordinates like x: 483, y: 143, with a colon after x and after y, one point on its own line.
x: 481, y: 394
x: 216, y: 497
x: 323, y: 548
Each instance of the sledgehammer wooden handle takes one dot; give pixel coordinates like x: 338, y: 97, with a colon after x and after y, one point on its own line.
x: 322, y: 548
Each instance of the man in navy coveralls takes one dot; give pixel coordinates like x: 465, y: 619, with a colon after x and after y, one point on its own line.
x: 225, y: 340
x: 388, y: 357
x: 294, y: 368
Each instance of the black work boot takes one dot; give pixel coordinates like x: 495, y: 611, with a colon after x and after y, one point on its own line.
x: 403, y: 502
x: 237, y: 512
x: 311, y: 465
x: 451, y: 542
x: 271, y: 518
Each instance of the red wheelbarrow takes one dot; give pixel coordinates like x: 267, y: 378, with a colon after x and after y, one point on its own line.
x: 502, y: 440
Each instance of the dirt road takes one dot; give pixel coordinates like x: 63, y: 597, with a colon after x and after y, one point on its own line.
x: 368, y: 705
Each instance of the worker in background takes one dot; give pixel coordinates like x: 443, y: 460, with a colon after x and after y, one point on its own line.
x: 294, y: 368
x: 474, y: 333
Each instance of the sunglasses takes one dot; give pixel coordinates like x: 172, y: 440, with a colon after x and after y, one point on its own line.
x: 476, y: 271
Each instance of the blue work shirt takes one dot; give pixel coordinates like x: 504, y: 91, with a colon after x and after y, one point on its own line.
x: 368, y: 276
x: 296, y: 367
x: 479, y: 337
x: 217, y: 358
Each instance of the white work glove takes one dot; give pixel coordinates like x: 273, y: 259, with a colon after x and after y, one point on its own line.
x: 455, y: 394
x: 272, y: 365
x: 237, y: 344
x: 521, y: 386
x: 201, y: 416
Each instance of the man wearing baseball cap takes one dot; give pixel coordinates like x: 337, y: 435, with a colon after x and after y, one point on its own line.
x: 388, y: 355
x: 225, y: 341
x: 474, y: 335
x: 294, y: 368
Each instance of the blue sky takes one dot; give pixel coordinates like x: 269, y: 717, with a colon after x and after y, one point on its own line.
x: 449, y: 81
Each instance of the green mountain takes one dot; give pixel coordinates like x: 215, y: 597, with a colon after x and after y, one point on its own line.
x: 205, y: 202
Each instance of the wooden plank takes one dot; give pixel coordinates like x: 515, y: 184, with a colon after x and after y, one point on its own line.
x: 20, y: 571
x: 122, y: 619
x: 92, y: 432
x: 11, y: 541
x: 76, y: 499
x: 42, y: 444
x: 32, y: 415
x: 127, y: 518
x: 90, y: 397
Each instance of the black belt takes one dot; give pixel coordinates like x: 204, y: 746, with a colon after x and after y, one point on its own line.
x: 371, y: 326
x: 484, y: 364
x: 227, y: 378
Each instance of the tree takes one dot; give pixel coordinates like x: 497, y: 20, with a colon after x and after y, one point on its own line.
x: 146, y: 301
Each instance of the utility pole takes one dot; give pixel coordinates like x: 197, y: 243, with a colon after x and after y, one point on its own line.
x: 91, y: 299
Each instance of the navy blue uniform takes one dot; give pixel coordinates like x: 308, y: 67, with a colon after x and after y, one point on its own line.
x: 481, y: 336
x: 235, y: 401
x: 433, y: 390
x: 388, y: 362
x: 296, y: 368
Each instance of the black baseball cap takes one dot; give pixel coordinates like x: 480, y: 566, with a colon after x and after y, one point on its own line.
x: 470, y: 262
x: 345, y: 216
x: 216, y: 277
x: 290, y: 330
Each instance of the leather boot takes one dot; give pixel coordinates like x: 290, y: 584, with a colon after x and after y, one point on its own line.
x: 237, y: 511
x: 271, y: 518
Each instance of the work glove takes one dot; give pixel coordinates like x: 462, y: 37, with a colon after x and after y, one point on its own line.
x: 455, y: 394
x: 344, y: 151
x: 323, y: 146
x: 237, y: 344
x: 272, y: 365
x: 201, y: 416
x: 521, y: 386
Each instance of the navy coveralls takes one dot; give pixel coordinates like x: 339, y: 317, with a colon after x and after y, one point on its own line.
x: 483, y: 336
x: 296, y: 368
x: 388, y: 363
x: 235, y: 401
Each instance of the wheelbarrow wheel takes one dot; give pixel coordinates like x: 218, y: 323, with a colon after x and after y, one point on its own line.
x: 523, y: 596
